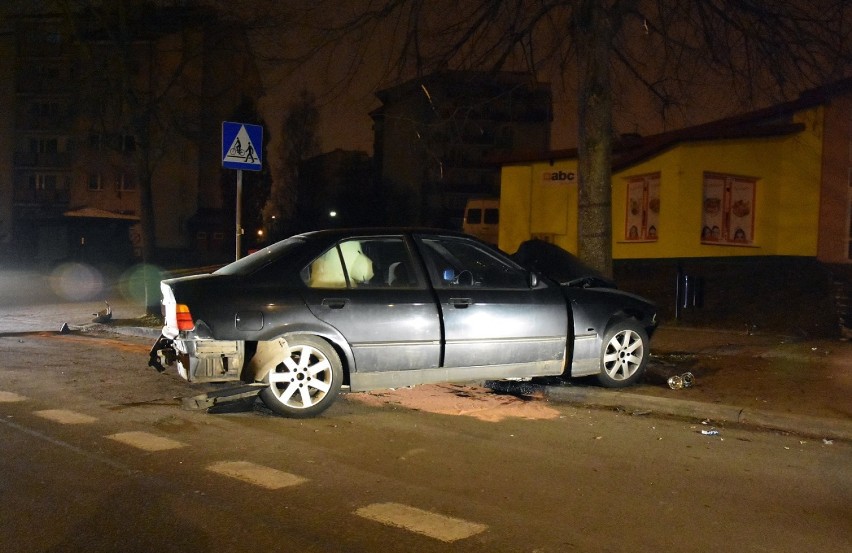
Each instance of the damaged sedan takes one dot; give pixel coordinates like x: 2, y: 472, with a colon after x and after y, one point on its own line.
x: 384, y: 308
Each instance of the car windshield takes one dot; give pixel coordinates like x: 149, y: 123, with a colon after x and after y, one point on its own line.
x: 554, y: 262
x: 262, y: 257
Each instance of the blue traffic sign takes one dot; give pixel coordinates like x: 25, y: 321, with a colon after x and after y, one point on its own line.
x: 242, y: 146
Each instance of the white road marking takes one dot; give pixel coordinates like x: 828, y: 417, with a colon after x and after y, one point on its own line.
x: 146, y: 441
x: 64, y: 416
x: 9, y: 397
x: 439, y: 527
x: 258, y: 475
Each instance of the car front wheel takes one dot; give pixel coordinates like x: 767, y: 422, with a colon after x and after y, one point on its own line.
x: 306, y: 381
x: 624, y: 354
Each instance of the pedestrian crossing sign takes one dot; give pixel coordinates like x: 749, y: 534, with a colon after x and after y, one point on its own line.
x: 242, y: 146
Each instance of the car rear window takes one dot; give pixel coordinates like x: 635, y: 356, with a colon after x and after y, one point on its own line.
x: 261, y: 258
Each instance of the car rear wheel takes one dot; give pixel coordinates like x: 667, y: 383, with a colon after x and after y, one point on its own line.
x: 306, y: 381
x: 624, y: 354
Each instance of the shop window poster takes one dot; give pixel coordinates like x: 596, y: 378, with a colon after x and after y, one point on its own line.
x: 643, y: 208
x: 728, y: 209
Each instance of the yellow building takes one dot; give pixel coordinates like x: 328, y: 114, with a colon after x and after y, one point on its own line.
x: 774, y: 183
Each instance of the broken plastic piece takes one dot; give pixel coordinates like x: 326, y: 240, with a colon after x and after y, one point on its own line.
x: 686, y: 380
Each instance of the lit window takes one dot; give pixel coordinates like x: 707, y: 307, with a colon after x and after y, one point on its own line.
x: 43, y: 182
x: 124, y: 183
x: 95, y: 182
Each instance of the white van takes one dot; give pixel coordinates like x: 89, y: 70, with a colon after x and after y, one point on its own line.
x: 482, y: 219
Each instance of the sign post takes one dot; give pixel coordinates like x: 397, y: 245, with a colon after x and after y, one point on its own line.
x: 242, y: 146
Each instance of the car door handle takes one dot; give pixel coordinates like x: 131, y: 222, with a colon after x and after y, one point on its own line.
x: 335, y: 303
x: 461, y: 303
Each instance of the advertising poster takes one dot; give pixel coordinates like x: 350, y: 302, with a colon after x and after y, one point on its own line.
x: 741, y: 214
x: 728, y: 209
x: 643, y: 208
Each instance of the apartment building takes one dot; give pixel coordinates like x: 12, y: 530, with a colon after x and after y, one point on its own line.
x: 92, y: 121
x: 433, y: 137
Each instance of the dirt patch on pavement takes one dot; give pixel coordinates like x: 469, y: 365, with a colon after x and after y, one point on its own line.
x: 812, y: 378
x: 115, y: 343
x: 452, y: 399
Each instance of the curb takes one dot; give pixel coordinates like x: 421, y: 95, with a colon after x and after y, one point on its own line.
x: 802, y: 425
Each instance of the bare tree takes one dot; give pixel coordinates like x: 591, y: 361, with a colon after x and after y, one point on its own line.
x: 299, y: 142
x: 149, y: 86
x: 755, y: 50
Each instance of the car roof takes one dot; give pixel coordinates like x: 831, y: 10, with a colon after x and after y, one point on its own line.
x: 378, y: 231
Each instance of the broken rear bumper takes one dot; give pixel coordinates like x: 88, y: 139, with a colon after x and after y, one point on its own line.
x: 162, y: 354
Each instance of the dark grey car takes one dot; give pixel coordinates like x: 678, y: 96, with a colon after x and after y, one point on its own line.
x: 381, y: 308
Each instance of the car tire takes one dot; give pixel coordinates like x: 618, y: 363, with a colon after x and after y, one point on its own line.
x: 624, y: 354
x: 306, y: 382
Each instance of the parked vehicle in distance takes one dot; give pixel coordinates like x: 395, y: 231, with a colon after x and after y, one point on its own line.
x: 383, y: 308
x: 482, y: 219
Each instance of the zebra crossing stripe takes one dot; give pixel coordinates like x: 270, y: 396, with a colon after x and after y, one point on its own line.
x: 64, y: 416
x: 146, y: 441
x: 439, y: 527
x: 9, y: 397
x: 258, y: 475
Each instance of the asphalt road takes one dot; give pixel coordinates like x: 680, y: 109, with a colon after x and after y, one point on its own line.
x: 98, y: 455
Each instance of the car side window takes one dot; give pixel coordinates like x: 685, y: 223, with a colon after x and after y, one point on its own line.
x: 327, y: 270
x: 383, y: 262
x: 393, y: 265
x: 457, y: 262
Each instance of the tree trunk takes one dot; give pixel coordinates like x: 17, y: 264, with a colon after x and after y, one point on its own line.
x: 594, y: 118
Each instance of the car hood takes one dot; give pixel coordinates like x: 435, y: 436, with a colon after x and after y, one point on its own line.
x: 557, y: 264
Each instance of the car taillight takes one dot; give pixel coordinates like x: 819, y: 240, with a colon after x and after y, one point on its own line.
x: 183, y: 317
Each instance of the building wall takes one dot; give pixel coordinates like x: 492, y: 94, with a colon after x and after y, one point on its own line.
x: 786, y: 210
x: 539, y: 200
x: 835, y: 232
x: 7, y: 149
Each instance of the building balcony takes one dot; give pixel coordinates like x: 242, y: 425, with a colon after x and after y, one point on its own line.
x: 26, y: 122
x: 31, y: 195
x: 27, y: 86
x: 43, y: 159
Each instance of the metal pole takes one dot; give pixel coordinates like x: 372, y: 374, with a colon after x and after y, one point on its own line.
x: 239, y: 210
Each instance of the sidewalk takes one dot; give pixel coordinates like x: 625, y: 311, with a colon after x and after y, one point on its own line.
x: 764, y: 380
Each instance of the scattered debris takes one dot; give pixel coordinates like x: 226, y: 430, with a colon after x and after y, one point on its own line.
x: 711, y: 432
x: 64, y: 329
x: 104, y: 315
x: 685, y: 380
x: 826, y: 441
